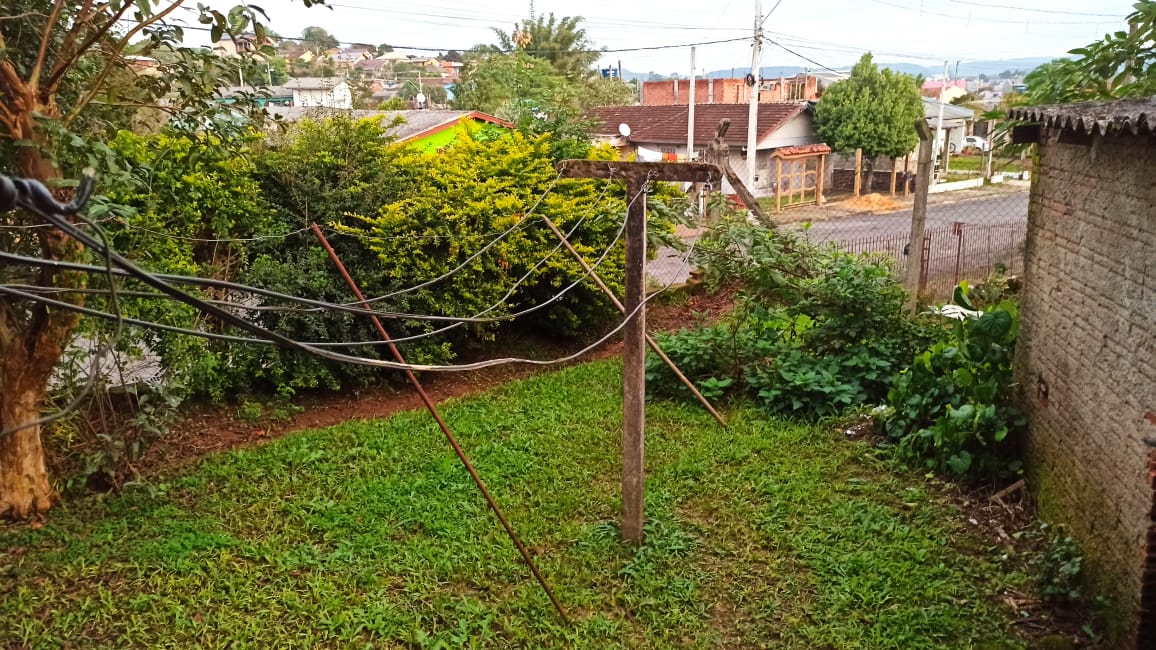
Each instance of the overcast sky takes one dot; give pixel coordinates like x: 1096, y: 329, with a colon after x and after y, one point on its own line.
x: 830, y: 32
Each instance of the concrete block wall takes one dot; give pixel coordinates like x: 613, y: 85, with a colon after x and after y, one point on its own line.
x: 727, y: 91
x: 1086, y: 357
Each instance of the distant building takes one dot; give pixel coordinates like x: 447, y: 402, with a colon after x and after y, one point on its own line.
x: 327, y: 92
x: 660, y: 133
x: 951, y: 90
x: 731, y: 91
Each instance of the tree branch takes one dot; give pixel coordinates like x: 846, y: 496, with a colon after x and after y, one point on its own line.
x: 115, y: 54
x: 66, y: 62
x: 45, y: 36
x: 82, y: 17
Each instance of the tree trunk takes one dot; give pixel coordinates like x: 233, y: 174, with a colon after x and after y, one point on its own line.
x: 24, y: 487
x: 32, y: 339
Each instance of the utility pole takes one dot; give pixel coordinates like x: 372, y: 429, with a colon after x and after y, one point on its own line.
x: 637, y: 175
x: 939, y: 120
x: 753, y: 115
x: 690, y: 111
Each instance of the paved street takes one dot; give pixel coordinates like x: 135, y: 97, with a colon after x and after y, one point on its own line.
x: 994, y: 232
x: 1005, y: 209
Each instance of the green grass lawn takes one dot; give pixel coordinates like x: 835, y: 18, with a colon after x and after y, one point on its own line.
x: 369, y: 534
x: 975, y: 163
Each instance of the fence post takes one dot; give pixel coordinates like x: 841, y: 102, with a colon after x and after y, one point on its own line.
x: 858, y: 172
x: 919, y: 214
x: 957, y: 230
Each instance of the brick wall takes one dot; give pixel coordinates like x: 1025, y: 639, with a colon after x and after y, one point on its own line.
x: 727, y: 91
x: 1086, y: 359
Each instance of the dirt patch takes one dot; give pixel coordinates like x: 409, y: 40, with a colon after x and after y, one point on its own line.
x: 873, y: 202
x: 211, y: 429
x: 1006, y: 517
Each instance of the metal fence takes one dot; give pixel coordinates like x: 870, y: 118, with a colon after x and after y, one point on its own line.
x: 962, y: 251
x: 970, y: 232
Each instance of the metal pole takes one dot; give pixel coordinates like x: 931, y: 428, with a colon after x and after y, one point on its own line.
x: 919, y: 213
x: 939, y: 120
x: 690, y: 112
x: 753, y: 113
x: 634, y: 361
x: 425, y: 398
x: 621, y: 308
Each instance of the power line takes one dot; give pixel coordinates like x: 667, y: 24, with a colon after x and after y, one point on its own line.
x: 500, y: 51
x: 1034, y: 10
x: 352, y: 308
x: 970, y: 19
x: 805, y: 58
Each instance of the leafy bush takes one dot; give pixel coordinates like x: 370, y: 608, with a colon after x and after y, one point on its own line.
x: 951, y: 409
x: 815, y: 330
x: 1058, y: 566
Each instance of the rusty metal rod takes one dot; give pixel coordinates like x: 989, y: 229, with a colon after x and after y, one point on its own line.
x: 649, y: 339
x: 425, y: 398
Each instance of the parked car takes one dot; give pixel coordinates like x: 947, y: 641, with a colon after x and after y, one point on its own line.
x: 976, y: 142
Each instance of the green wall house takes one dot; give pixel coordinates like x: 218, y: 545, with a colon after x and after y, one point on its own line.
x: 430, y: 131
x: 425, y: 130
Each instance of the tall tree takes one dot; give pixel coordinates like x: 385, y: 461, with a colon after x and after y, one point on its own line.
x: 874, y: 110
x: 1122, y: 64
x: 65, y: 85
x: 562, y: 42
x: 318, y: 39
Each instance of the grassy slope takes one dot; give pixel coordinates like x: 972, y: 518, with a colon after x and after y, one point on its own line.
x: 369, y: 533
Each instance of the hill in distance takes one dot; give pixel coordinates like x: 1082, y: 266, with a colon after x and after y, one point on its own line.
x: 966, y: 69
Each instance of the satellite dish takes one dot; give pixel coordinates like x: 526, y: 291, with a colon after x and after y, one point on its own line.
x: 624, y: 129
x: 420, y: 98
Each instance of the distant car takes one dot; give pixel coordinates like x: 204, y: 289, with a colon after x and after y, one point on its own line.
x: 976, y: 142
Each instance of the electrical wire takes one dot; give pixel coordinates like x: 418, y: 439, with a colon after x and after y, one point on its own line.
x: 28, y: 195
x: 231, y: 319
x: 361, y: 311
x: 803, y: 57
x: 519, y: 224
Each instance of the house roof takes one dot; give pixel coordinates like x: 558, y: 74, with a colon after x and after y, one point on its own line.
x: 1126, y: 116
x: 313, y: 83
x: 802, y: 150
x: 273, y: 91
x: 414, y: 123
x: 370, y: 64
x: 950, y: 111
x: 940, y: 83
x: 667, y: 124
x: 422, y: 123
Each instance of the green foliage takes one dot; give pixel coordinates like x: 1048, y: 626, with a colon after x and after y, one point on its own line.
x: 472, y: 192
x: 562, y: 42
x: 815, y: 330
x: 1057, y: 567
x: 874, y: 110
x: 951, y: 409
x: 1122, y: 64
x: 532, y: 94
x: 318, y: 39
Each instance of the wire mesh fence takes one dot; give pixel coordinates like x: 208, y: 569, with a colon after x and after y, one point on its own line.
x: 969, y: 234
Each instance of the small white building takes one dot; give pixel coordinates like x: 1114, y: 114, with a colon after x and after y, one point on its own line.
x: 659, y: 132
x: 327, y: 92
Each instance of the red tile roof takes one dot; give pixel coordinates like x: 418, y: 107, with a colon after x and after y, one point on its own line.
x: 802, y: 150
x: 668, y: 124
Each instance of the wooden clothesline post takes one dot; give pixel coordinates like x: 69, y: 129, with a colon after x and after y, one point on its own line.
x: 637, y: 175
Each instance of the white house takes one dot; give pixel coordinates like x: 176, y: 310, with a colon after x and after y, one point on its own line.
x: 328, y: 92
x: 660, y: 133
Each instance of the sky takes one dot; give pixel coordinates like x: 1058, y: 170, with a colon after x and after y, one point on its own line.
x: 831, y: 33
